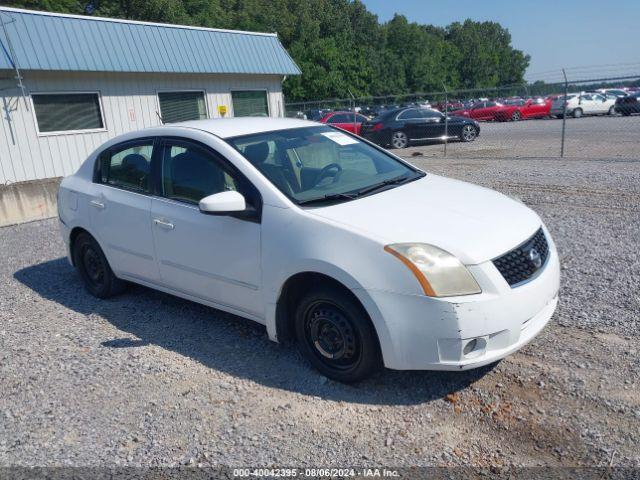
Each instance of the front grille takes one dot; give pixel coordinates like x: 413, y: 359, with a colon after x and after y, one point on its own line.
x: 522, y: 263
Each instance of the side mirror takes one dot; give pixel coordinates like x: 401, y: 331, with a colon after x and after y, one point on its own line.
x: 223, y: 203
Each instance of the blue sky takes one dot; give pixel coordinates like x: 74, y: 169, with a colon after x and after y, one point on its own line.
x: 581, y: 35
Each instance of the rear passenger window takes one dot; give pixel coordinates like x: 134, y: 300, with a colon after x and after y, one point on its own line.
x: 128, y: 165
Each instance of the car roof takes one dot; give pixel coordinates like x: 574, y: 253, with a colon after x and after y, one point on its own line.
x: 234, y: 127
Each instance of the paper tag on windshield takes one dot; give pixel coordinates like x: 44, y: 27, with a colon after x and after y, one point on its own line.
x: 340, y: 138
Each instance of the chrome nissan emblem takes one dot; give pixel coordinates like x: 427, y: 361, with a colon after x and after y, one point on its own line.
x: 535, y: 258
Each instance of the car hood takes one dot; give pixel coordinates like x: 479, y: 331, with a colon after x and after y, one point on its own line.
x: 473, y: 223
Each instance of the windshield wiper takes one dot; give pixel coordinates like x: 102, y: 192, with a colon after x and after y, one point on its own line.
x: 364, y: 191
x: 385, y: 183
x: 329, y: 197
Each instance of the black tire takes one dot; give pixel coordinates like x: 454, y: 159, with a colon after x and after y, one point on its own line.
x: 94, y: 269
x: 399, y: 139
x: 335, y: 334
x: 577, y: 113
x: 516, y: 116
x: 468, y: 133
x: 612, y: 111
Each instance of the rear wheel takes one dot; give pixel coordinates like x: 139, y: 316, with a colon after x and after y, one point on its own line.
x: 399, y: 140
x: 469, y: 133
x: 94, y: 269
x: 515, y: 116
x: 577, y: 113
x: 612, y: 110
x: 336, y: 335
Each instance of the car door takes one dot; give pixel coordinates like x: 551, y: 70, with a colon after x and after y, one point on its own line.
x: 121, y: 209
x: 210, y: 257
x: 412, y: 123
x: 478, y: 111
x: 344, y: 121
x: 600, y: 104
x: 433, y: 123
x: 538, y: 108
x: 585, y: 101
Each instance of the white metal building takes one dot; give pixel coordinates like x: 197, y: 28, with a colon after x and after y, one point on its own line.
x: 68, y: 83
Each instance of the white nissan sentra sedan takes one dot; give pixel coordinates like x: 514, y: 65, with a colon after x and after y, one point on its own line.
x: 363, y: 259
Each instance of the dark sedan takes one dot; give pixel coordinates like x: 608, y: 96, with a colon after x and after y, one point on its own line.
x: 403, y: 126
x: 629, y: 104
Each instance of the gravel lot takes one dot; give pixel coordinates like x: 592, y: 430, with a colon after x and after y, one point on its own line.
x: 150, y: 379
x: 586, y: 137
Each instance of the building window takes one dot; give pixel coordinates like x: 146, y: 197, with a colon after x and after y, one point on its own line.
x: 64, y: 112
x: 182, y: 106
x: 250, y: 103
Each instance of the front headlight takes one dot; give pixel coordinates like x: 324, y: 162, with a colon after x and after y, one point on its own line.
x: 440, y: 274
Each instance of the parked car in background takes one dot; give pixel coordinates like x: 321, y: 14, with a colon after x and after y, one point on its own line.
x: 402, y: 127
x: 583, y: 103
x: 315, y: 114
x: 349, y: 121
x: 363, y: 259
x: 489, y: 110
x: 451, y: 106
x: 628, y: 104
x: 536, y: 107
x: 618, y: 92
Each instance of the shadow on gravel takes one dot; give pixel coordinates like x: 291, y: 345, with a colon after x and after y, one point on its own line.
x: 228, y: 343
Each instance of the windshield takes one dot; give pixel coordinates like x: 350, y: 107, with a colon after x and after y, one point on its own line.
x: 321, y: 164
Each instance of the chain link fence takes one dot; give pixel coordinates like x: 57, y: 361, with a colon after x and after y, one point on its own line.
x: 584, y: 118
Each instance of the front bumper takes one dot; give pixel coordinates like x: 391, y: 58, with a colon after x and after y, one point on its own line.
x: 427, y: 333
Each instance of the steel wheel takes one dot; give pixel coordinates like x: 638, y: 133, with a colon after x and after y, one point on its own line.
x: 515, y: 116
x: 93, y: 267
x: 469, y: 133
x: 399, y: 140
x: 331, y: 336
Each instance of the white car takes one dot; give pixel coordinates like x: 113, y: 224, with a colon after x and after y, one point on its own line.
x: 321, y: 236
x: 584, y: 103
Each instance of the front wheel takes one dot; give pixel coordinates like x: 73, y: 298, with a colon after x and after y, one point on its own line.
x: 515, y: 116
x: 577, y: 113
x: 612, y: 111
x: 399, y: 140
x: 94, y: 269
x: 336, y: 336
x: 469, y: 133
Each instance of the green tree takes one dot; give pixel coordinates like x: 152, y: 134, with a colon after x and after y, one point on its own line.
x: 340, y: 46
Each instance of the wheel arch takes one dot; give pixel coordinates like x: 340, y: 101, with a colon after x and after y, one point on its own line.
x: 298, y: 283
x: 73, y: 235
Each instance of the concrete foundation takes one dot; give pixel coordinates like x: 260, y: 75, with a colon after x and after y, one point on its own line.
x: 26, y: 201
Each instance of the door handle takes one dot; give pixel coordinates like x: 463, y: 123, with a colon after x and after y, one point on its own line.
x: 163, y: 224
x: 97, y: 204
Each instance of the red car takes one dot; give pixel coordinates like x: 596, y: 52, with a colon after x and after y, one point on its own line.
x: 533, y: 108
x: 349, y: 121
